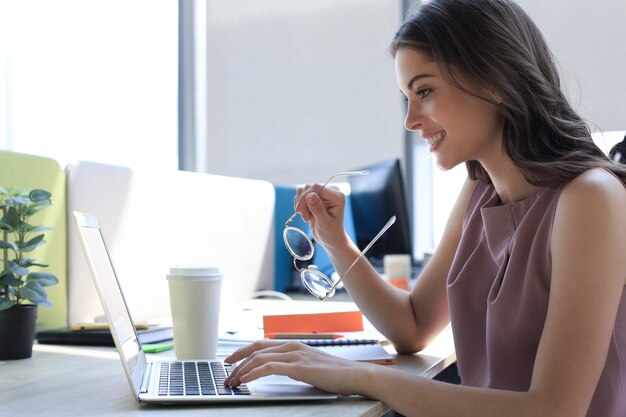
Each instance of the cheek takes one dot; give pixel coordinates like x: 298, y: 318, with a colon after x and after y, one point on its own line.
x: 482, y: 113
x: 445, y: 114
x: 436, y: 111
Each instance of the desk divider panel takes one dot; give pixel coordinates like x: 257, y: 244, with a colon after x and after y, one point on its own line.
x: 156, y: 219
x: 22, y: 171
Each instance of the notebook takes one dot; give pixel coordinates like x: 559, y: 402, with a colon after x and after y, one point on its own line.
x: 170, y: 382
x: 69, y: 336
x: 354, y: 349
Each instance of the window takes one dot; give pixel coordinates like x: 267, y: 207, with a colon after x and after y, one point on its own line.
x: 92, y: 80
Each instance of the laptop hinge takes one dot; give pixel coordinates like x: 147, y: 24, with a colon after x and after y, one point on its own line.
x: 146, y: 379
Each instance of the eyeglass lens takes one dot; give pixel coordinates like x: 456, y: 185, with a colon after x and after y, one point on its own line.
x: 298, y: 243
x: 318, y: 283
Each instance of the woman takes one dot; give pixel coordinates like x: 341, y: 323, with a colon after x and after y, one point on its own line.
x: 530, y: 269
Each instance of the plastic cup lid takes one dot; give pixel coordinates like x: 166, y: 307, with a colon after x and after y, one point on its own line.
x: 189, y: 272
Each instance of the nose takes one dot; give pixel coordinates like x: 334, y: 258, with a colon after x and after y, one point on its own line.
x: 413, y: 119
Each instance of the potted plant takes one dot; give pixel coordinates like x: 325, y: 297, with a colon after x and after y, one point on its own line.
x: 21, y: 289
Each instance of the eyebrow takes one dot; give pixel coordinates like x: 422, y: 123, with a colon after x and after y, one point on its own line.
x: 417, y: 78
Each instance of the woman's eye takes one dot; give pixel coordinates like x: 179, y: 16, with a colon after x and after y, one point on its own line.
x: 422, y: 93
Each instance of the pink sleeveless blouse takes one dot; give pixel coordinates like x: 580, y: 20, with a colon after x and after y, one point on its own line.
x: 498, y: 290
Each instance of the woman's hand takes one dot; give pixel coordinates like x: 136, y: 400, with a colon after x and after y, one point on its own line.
x: 299, y: 362
x: 324, y: 211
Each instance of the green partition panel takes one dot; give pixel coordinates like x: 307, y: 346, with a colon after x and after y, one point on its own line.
x: 27, y: 172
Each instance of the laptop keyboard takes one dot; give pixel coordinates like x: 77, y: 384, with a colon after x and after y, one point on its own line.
x: 197, y: 378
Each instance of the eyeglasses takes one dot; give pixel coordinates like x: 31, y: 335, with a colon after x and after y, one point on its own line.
x: 301, y: 248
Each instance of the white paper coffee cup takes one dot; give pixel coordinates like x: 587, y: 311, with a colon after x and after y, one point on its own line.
x: 195, y: 306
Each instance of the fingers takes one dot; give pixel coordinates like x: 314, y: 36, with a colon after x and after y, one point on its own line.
x: 312, y: 203
x: 246, y: 351
x: 300, y: 203
x: 270, y: 368
x: 257, y: 356
x: 299, y: 362
x: 262, y: 364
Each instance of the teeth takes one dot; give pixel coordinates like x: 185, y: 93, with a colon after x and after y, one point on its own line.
x: 436, y: 138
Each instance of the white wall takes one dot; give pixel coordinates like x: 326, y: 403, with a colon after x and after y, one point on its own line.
x: 587, y: 38
x: 300, y: 89
x: 90, y: 80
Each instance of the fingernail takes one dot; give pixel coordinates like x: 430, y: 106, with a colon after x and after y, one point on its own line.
x: 313, y: 198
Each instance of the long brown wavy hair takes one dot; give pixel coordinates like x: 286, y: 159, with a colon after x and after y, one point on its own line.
x: 495, y: 44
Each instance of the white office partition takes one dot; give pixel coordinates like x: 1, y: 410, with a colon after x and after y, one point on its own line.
x: 156, y: 219
x: 298, y: 90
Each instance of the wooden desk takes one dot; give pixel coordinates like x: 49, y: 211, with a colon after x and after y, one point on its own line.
x: 89, y: 381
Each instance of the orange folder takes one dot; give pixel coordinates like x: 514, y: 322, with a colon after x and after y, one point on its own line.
x: 349, y: 321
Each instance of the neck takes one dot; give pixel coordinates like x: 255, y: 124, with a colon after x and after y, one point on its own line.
x: 509, y: 182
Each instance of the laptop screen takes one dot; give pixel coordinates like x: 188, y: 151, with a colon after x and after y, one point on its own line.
x: 112, y: 298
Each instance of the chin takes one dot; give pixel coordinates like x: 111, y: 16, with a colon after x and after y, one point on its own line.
x: 446, y: 165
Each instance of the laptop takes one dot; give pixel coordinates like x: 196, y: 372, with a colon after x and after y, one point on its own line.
x: 171, y: 381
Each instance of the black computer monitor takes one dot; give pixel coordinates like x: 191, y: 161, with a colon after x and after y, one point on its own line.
x: 374, y: 199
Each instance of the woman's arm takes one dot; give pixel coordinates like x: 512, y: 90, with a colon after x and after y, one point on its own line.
x: 587, y: 283
x: 408, y: 320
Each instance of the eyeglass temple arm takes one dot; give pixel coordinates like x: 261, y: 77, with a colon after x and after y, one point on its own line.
x: 391, y: 221
x: 339, y: 174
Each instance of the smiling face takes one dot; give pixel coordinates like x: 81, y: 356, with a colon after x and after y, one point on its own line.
x: 459, y: 127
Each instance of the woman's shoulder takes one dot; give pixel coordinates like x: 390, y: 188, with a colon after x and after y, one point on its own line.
x: 595, y: 181
x: 595, y: 187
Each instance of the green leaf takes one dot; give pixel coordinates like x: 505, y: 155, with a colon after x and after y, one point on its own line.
x: 4, y: 191
x: 24, y: 227
x: 31, y: 248
x: 45, y: 303
x: 43, y: 279
x: 35, y: 240
x: 28, y: 262
x: 34, y: 293
x: 5, y: 304
x: 5, y: 227
x: 31, y: 244
x: 8, y: 278
x: 39, y: 195
x: 7, y: 245
x: 12, y: 218
x: 30, y: 229
x: 16, y: 201
x: 18, y: 193
x: 17, y: 269
x: 34, y: 208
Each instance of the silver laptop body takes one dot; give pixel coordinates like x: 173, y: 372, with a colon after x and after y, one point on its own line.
x: 173, y: 381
